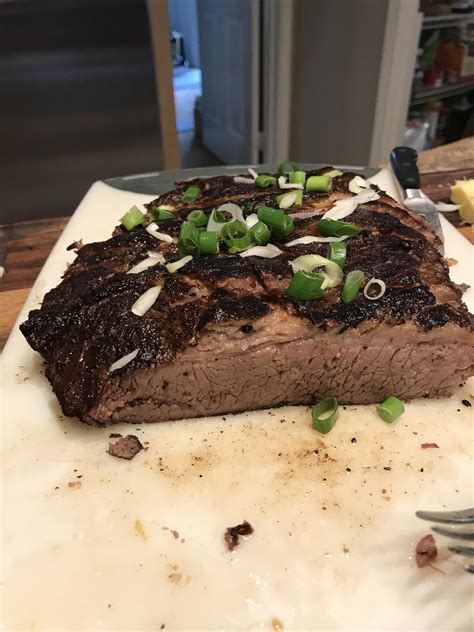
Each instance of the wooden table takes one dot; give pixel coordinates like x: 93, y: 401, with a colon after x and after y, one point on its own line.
x: 25, y: 246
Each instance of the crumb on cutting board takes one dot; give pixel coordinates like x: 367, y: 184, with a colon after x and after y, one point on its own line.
x: 426, y: 551
x: 125, y: 447
x: 232, y: 534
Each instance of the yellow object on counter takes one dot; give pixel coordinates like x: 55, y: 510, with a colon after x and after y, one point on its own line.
x: 462, y: 193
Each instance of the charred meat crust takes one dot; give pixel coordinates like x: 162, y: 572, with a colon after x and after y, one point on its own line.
x: 85, y: 323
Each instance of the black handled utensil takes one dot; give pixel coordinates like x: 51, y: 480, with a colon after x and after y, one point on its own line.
x: 403, y: 161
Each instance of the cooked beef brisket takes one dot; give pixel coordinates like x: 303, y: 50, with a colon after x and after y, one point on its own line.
x: 197, y: 354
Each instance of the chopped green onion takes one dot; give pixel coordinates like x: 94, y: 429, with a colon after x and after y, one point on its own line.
x: 260, y: 233
x: 334, y: 173
x: 332, y: 272
x: 280, y: 224
x: 295, y: 197
x: 352, y: 285
x: 335, y: 228
x: 297, y: 177
x: 176, y: 265
x: 236, y: 236
x: 319, y: 183
x: 163, y: 211
x: 390, y: 409
x: 190, y: 195
x: 286, y: 166
x: 216, y: 222
x: 264, y: 181
x: 181, y: 250
x: 306, y: 286
x: 322, y: 422
x: 189, y: 238
x: 220, y: 217
x: 132, y: 218
x: 162, y: 214
x: 337, y: 251
x: 197, y: 217
x: 208, y: 242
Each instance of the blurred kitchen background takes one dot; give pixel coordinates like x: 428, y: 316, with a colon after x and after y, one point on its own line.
x: 91, y: 89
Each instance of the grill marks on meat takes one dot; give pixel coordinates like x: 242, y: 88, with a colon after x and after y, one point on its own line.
x: 85, y: 324
x: 221, y: 189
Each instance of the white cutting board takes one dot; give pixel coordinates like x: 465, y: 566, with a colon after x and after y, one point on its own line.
x: 333, y: 546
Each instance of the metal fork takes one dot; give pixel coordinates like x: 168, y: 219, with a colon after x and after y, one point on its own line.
x: 463, y: 517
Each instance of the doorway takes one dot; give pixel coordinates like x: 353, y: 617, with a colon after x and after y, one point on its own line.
x: 187, y: 83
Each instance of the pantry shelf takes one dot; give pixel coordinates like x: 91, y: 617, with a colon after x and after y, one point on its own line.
x: 428, y: 94
x: 445, y: 21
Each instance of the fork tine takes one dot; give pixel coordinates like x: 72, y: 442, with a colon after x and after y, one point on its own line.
x: 451, y: 533
x: 465, y: 516
x: 462, y: 550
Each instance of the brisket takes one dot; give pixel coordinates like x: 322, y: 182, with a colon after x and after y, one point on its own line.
x: 223, y: 336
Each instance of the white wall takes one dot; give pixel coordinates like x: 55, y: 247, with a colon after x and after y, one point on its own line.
x: 183, y: 18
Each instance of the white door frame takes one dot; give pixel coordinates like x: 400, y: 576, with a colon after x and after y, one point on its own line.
x: 402, y: 32
x: 276, y: 80
x: 256, y: 82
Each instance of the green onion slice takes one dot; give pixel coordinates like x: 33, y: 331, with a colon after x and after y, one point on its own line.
x: 297, y: 177
x: 236, y: 236
x: 332, y: 274
x: 280, y: 224
x: 287, y: 166
x: 190, y: 195
x: 325, y: 414
x: 162, y: 212
x: 217, y: 220
x: 334, y: 173
x: 197, y: 217
x: 285, y: 200
x: 335, y: 228
x: 319, y: 183
x: 264, y: 181
x: 352, y: 285
x: 189, y: 238
x: 306, y: 286
x: 260, y: 233
x: 337, y: 252
x: 390, y: 409
x: 132, y: 218
x: 176, y: 265
x: 223, y: 214
x: 208, y: 242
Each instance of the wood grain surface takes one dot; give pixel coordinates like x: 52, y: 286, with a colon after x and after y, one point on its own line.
x: 25, y: 246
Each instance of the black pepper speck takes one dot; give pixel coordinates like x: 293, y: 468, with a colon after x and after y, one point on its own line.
x: 246, y: 329
x: 466, y: 402
x: 353, y: 440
